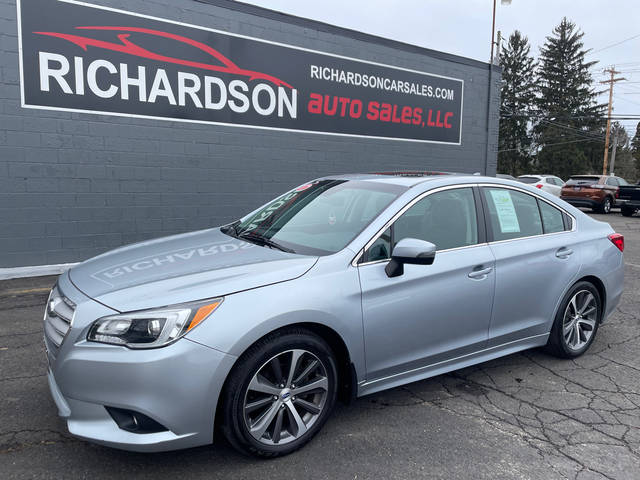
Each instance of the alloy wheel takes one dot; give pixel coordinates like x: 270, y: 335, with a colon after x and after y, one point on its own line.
x: 285, y: 397
x: 607, y: 205
x: 580, y: 319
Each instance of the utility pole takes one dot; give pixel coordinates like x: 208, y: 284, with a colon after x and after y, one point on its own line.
x: 498, y: 44
x: 613, y: 152
x: 493, y: 31
x: 612, y: 71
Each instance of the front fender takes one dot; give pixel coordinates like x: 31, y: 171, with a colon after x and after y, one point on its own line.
x: 325, y: 296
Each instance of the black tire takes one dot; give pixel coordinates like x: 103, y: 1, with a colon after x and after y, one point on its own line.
x: 627, y: 211
x: 236, y: 390
x: 606, y: 205
x: 557, y: 344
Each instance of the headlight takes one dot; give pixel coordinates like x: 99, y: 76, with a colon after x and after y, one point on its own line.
x: 151, y: 328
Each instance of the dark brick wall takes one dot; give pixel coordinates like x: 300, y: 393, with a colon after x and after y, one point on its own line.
x: 74, y: 185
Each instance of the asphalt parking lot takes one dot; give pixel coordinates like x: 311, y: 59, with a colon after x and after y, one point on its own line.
x: 527, y: 415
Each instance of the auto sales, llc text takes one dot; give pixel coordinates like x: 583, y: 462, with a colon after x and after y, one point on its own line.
x: 333, y: 105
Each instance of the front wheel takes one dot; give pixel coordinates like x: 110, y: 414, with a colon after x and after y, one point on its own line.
x: 606, y: 205
x: 280, y: 393
x: 576, y: 322
x: 627, y: 211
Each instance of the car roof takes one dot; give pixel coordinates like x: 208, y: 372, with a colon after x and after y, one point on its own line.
x: 403, y: 178
x: 412, y: 179
x: 538, y: 176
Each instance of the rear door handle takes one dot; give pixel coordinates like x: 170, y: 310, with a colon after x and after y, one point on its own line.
x: 479, y: 274
x: 564, y: 252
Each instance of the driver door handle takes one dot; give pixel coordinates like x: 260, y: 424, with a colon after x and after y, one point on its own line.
x: 480, y: 274
x: 564, y: 252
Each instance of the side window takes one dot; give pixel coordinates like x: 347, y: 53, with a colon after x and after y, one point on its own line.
x: 512, y: 214
x: 446, y: 219
x: 622, y: 181
x: 612, y: 181
x: 552, y: 220
x: 381, y: 248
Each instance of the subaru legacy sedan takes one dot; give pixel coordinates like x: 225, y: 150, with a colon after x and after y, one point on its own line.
x: 341, y: 287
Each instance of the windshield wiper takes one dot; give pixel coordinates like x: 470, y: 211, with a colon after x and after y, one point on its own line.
x: 231, y: 228
x: 260, y: 240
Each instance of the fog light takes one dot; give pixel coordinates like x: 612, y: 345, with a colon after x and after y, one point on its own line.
x: 134, y: 422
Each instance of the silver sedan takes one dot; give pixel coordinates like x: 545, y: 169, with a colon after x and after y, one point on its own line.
x: 341, y: 287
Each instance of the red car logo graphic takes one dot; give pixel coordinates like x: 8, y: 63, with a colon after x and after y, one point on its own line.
x: 127, y: 46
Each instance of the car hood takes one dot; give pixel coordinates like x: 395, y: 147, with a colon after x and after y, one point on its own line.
x: 183, y: 268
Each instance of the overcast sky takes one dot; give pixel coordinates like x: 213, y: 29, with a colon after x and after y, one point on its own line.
x: 463, y: 27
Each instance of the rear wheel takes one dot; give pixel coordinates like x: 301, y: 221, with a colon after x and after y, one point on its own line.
x: 280, y: 393
x: 576, y: 322
x: 605, y: 207
x: 627, y: 211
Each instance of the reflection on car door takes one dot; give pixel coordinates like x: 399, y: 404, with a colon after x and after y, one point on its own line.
x: 431, y: 313
x: 536, y: 259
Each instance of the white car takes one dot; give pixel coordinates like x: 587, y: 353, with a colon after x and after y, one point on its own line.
x: 548, y: 183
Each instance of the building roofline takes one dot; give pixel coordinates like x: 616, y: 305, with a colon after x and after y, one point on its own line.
x: 345, y: 32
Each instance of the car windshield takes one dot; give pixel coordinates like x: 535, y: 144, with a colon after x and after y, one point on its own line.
x: 529, y: 179
x: 318, y: 218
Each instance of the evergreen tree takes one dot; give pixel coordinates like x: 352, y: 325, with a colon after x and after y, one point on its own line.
x: 569, y: 126
x: 625, y: 165
x: 635, y: 148
x: 517, y: 96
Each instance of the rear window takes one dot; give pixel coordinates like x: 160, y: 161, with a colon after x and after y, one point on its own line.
x: 552, y: 219
x: 528, y: 179
x: 583, y: 180
x: 512, y: 214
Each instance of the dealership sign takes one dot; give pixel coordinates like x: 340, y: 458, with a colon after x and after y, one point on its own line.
x: 85, y: 58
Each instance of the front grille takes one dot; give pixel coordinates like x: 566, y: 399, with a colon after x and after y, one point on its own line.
x: 57, y: 320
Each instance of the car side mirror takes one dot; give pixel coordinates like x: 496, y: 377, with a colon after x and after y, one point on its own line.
x: 412, y: 251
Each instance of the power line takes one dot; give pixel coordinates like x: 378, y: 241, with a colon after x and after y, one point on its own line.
x: 627, y: 63
x: 614, y: 116
x: 613, y: 44
x: 550, y: 144
x: 542, y: 115
x: 627, y: 100
x: 575, y: 131
x: 626, y: 86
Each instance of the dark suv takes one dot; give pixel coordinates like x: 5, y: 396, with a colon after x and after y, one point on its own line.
x: 599, y: 192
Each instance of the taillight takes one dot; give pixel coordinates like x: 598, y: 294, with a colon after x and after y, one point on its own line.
x: 539, y: 185
x: 617, y: 240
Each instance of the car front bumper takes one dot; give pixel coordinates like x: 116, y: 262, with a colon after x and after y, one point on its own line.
x: 178, y: 386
